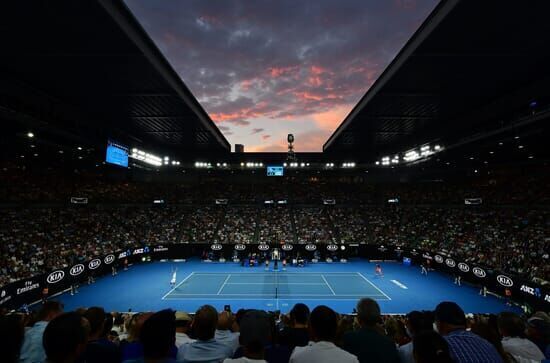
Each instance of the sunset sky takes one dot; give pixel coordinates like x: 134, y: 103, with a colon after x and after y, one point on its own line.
x: 263, y: 69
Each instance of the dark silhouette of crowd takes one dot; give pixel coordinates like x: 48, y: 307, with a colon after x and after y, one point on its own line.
x: 443, y: 335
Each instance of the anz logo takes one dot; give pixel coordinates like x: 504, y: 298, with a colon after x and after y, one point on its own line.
x: 463, y: 267
x: 311, y: 247
x: 505, y: 281
x: 287, y: 247
x: 216, y: 247
x: 479, y: 272
x: 438, y: 259
x: 263, y: 247
x: 450, y: 262
x: 109, y: 259
x: 332, y: 248
x: 93, y: 264
x: 240, y: 247
x: 77, y: 269
x: 55, y: 277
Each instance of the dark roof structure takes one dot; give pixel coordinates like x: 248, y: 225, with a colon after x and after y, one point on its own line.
x: 86, y: 70
x: 474, y: 69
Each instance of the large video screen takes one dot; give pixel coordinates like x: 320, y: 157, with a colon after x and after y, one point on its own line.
x: 117, y: 154
x: 275, y: 171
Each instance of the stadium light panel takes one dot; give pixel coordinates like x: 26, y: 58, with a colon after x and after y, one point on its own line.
x: 30, y: 135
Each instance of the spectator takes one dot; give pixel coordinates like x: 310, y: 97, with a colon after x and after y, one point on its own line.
x: 538, y: 331
x: 369, y: 343
x: 206, y: 349
x: 323, y: 323
x: 514, y: 340
x: 430, y: 347
x: 485, y: 328
x: 296, y: 335
x: 12, y: 334
x: 65, y: 338
x: 157, y: 337
x: 99, y: 348
x: 132, y: 348
x: 183, y: 324
x: 254, y: 336
x: 223, y: 332
x: 465, y: 347
x: 417, y: 322
x: 32, y: 350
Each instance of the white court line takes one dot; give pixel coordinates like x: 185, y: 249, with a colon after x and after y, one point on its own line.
x: 275, y: 283
x: 223, y: 285
x: 175, y: 287
x: 373, y: 285
x: 297, y: 296
x: 280, y: 273
x: 326, y: 282
x: 268, y: 299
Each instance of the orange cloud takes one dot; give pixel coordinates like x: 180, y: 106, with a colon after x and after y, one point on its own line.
x: 281, y: 71
x: 330, y: 120
x: 316, y: 70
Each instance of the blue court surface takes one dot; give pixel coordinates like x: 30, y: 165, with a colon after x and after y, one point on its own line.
x: 146, y: 287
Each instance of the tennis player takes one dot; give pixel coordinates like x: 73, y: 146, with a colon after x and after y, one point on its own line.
x: 378, y: 271
x: 173, y: 280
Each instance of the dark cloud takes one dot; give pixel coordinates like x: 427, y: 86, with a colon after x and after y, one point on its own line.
x: 278, y: 59
x: 256, y: 131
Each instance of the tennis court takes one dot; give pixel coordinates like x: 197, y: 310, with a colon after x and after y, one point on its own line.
x: 275, y: 285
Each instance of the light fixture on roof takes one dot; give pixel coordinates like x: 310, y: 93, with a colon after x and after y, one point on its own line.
x: 30, y: 135
x: 79, y: 148
x: 516, y: 137
x: 520, y: 147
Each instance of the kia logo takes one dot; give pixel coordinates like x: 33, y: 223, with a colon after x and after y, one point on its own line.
x: 240, y: 247
x: 109, y: 259
x: 263, y: 247
x: 216, y: 247
x: 55, y: 277
x: 76, y: 269
x: 93, y: 264
x: 122, y: 255
x: 450, y: 262
x: 463, y: 267
x: 311, y: 247
x: 438, y: 259
x: 332, y: 247
x: 479, y: 272
x: 287, y: 247
x: 505, y: 281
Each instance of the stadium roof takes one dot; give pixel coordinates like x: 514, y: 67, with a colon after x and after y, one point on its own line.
x: 87, y: 70
x: 473, y: 68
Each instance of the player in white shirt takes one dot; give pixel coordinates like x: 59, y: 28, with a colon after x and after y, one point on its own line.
x: 323, y: 325
x: 174, y: 278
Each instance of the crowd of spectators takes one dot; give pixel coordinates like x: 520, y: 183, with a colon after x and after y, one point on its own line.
x: 36, y: 240
x: 275, y: 224
x: 313, y: 225
x: 238, y: 225
x: 49, y: 187
x: 321, y: 335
